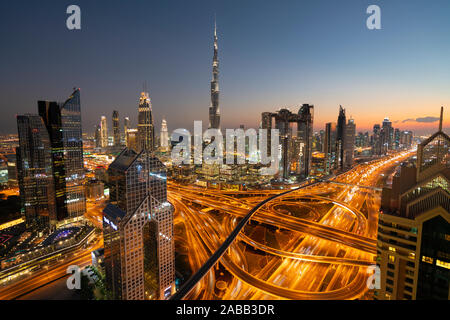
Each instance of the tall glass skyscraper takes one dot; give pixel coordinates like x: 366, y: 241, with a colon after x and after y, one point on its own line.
x: 35, y: 173
x: 63, y: 123
x: 116, y: 128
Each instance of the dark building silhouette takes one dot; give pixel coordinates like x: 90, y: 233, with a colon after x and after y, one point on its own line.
x: 414, y: 226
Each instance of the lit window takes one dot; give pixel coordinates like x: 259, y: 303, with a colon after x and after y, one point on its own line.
x: 427, y: 259
x: 443, y: 264
x: 391, y: 258
x: 392, y: 249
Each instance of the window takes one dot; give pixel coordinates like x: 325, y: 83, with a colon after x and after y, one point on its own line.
x: 391, y: 258
x: 443, y: 264
x: 427, y: 259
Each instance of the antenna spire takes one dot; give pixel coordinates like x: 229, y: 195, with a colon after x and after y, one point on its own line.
x: 441, y: 119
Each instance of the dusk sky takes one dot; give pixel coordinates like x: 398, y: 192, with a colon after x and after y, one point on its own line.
x: 272, y: 54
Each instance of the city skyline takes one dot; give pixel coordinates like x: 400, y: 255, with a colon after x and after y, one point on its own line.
x: 410, y: 84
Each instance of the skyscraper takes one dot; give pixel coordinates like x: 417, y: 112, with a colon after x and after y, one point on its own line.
x: 126, y: 126
x: 349, y: 143
x: 340, y: 137
x: 164, y: 136
x: 414, y: 227
x: 214, y: 110
x: 138, y: 229
x: 103, y: 132
x: 330, y: 147
x: 116, y: 128
x: 35, y: 172
x: 146, y: 131
x: 304, y: 134
x: 63, y: 123
x: 98, y: 136
x: 295, y: 139
x: 377, y: 140
x: 387, y: 135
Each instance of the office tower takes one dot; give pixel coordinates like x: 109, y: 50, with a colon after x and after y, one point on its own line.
x: 132, y: 139
x: 406, y: 139
x: 146, y: 131
x: 387, y: 135
x: 340, y: 137
x: 98, y: 136
x: 330, y: 147
x: 396, y: 142
x: 349, y: 143
x: 103, y: 132
x: 63, y: 122
x: 304, y: 134
x: 126, y: 126
x: 138, y: 229
x: 214, y: 111
x: 164, y: 136
x: 414, y: 226
x: 377, y: 140
x: 295, y: 139
x: 116, y: 129
x: 35, y: 173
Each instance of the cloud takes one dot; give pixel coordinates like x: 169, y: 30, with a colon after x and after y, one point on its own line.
x: 422, y: 120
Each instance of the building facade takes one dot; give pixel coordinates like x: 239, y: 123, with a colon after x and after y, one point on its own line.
x: 138, y: 229
x: 146, y: 130
x: 413, y: 251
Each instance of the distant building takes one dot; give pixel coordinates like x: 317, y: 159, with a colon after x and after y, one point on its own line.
x: 116, y: 129
x: 295, y: 139
x: 98, y: 136
x: 413, y: 251
x: 94, y: 189
x: 138, y: 229
x: 146, y: 130
x: 214, y: 110
x: 340, y: 137
x: 103, y: 132
x: 126, y: 126
x: 132, y: 139
x: 330, y: 147
x: 349, y: 143
x: 164, y: 136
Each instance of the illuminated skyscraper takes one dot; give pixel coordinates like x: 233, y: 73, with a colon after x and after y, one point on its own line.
x: 138, y: 229
x: 103, y: 132
x: 304, y: 135
x: 116, y: 128
x: 349, y: 143
x: 63, y: 123
x: 387, y: 135
x: 330, y: 147
x: 214, y: 110
x: 146, y: 130
x: 98, y: 136
x: 35, y: 172
x: 414, y: 226
x: 340, y: 137
x: 164, y: 136
x: 126, y: 126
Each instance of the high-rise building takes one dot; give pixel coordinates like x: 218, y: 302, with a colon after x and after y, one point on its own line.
x: 35, y: 172
x: 126, y: 126
x: 349, y: 143
x: 164, y: 136
x: 214, y: 110
x: 376, y: 140
x: 63, y: 123
x: 295, y: 139
x: 413, y: 251
x: 138, y: 229
x: 103, y: 132
x: 330, y: 147
x: 132, y: 139
x: 340, y: 137
x: 304, y: 134
x: 146, y: 130
x: 98, y: 136
x: 116, y: 128
x: 387, y: 135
